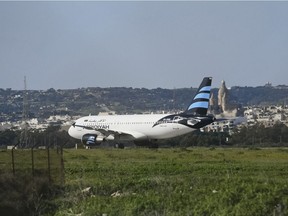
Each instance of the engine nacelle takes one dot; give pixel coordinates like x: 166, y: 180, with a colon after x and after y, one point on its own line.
x: 91, y: 140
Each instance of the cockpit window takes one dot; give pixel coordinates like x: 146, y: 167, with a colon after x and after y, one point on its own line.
x: 85, y: 120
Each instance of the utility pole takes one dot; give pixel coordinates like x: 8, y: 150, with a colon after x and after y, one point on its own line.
x: 24, y: 136
x: 174, y: 92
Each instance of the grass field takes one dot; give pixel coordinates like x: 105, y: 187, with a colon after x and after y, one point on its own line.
x: 193, y: 181
x: 196, y: 181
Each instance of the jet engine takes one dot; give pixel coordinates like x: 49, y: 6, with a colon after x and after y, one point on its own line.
x: 91, y: 140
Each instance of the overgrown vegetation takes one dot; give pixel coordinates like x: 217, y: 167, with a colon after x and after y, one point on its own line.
x: 30, y: 186
x: 24, y: 195
x: 137, y: 181
x: 196, y: 181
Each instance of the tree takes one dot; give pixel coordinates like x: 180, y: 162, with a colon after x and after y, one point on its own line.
x: 9, y: 137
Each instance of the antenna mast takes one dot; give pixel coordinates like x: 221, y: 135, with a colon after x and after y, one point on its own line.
x: 24, y: 136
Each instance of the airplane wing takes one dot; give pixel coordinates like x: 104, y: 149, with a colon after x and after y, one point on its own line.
x: 122, y: 134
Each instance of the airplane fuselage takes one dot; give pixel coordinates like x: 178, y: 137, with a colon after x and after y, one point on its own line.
x: 92, y: 130
x: 139, y: 126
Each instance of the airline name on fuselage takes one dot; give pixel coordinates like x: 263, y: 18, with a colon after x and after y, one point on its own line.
x: 95, y: 120
x: 106, y: 127
x: 97, y: 124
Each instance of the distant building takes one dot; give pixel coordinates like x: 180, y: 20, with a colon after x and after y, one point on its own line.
x: 268, y: 85
x: 266, y: 115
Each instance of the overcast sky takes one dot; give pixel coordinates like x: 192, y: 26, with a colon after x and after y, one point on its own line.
x: 66, y: 45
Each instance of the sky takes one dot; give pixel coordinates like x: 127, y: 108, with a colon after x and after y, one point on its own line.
x: 68, y: 45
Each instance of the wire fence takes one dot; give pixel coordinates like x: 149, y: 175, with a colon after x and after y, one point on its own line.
x: 30, y: 178
x: 36, y: 161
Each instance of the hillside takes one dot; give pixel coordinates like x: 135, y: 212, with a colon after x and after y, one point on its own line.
x: 122, y: 100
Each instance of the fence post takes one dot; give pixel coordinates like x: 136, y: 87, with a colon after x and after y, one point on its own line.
x: 13, y: 162
x: 13, y: 165
x: 48, y: 155
x: 62, y: 166
x: 32, y: 159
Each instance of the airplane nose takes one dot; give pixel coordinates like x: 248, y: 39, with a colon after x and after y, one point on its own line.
x: 70, y: 130
x: 74, y: 131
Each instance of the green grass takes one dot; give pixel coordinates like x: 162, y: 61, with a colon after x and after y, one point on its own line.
x: 193, y: 181
x: 197, y: 181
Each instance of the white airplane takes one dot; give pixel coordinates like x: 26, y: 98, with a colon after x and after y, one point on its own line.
x: 93, y: 130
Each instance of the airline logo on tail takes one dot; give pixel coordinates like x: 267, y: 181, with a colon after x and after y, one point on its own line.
x: 195, y: 116
x: 200, y: 103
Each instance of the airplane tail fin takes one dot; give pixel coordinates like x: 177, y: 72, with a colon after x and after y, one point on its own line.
x: 200, y: 102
